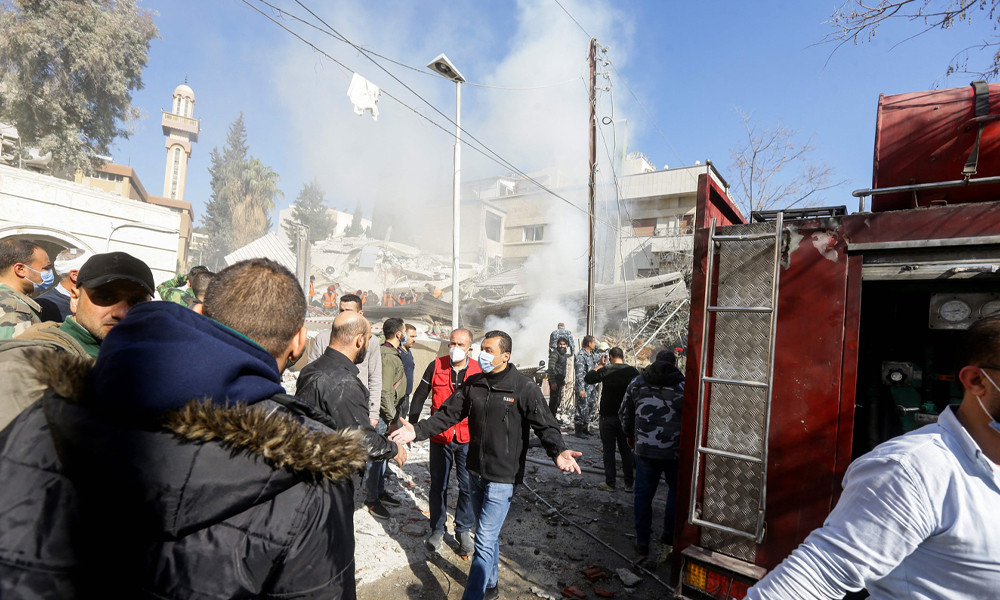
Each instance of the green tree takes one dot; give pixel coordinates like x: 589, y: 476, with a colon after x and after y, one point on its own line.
x: 67, y: 73
x: 311, y: 210
x: 355, y: 228
x: 251, y: 188
x: 243, y: 193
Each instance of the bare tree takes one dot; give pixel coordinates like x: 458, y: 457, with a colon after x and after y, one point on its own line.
x: 775, y: 171
x: 857, y: 21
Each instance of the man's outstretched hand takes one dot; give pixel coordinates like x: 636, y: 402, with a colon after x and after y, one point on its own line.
x: 405, y: 434
x: 401, y: 455
x: 566, y: 461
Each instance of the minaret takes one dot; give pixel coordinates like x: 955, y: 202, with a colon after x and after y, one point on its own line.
x: 181, y: 129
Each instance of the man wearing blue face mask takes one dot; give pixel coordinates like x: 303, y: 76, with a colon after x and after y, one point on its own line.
x: 917, y: 518
x: 24, y: 268
x: 502, y: 407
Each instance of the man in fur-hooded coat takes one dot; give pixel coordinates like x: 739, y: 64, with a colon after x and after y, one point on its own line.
x: 173, y: 468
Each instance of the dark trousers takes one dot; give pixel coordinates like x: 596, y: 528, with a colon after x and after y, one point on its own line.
x: 441, y: 459
x: 556, y: 385
x: 648, y: 472
x: 613, y: 435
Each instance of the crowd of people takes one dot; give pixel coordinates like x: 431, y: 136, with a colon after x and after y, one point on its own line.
x: 148, y: 448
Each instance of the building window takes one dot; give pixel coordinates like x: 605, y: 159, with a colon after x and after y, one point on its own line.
x: 494, y: 225
x: 534, y: 233
x: 175, y: 172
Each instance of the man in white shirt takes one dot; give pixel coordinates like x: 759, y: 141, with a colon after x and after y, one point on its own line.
x: 918, y: 516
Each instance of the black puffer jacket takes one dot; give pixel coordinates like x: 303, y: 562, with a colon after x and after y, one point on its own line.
x: 214, y: 500
x: 502, y: 409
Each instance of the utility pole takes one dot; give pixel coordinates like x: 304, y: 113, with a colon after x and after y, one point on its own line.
x: 592, y: 206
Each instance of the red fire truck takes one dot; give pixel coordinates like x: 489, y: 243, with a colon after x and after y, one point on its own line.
x: 817, y: 334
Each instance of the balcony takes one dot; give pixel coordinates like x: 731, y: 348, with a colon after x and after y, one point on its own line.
x: 171, y: 122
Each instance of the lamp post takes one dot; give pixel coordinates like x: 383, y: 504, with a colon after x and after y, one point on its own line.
x: 443, y: 66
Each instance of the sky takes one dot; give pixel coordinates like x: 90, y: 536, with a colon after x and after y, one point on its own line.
x: 679, y: 72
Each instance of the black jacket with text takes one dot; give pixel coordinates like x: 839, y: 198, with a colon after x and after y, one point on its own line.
x: 502, y: 409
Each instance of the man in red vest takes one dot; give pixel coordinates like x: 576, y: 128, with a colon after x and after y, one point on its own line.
x: 443, y: 376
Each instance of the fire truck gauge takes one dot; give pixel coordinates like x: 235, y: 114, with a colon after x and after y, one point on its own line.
x: 955, y: 311
x: 990, y: 309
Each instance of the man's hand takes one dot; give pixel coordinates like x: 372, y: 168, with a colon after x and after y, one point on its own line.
x: 374, y: 422
x: 566, y: 461
x: 630, y: 442
x: 582, y: 394
x: 405, y: 434
x: 400, y: 457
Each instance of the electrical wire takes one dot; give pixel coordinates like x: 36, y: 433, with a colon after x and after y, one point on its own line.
x: 502, y: 161
x: 498, y: 160
x: 574, y: 19
x: 423, y: 71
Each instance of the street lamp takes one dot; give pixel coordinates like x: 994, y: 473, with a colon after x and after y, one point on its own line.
x: 443, y: 66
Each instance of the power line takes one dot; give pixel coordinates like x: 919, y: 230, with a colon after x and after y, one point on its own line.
x: 498, y: 159
x: 424, y: 72
x: 574, y: 19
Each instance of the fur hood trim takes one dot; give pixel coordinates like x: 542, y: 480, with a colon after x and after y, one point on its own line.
x: 64, y: 372
x: 278, y: 437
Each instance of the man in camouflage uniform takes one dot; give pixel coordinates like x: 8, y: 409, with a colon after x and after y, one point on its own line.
x: 173, y: 290
x: 651, y: 419
x: 585, y: 393
x: 560, y: 332
x: 24, y: 266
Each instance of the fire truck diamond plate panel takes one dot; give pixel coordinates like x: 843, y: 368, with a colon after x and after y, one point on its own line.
x: 736, y: 414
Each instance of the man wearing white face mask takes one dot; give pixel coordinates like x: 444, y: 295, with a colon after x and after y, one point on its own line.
x: 450, y: 447
x: 918, y: 516
x: 502, y: 407
x: 24, y: 268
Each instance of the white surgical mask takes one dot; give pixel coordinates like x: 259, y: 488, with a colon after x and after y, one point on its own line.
x: 486, y: 362
x: 457, y: 354
x: 993, y: 422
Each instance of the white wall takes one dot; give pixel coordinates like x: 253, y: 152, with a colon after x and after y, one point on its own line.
x: 72, y: 214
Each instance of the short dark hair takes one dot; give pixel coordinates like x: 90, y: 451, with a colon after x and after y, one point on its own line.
x: 981, y: 344
x: 409, y: 326
x: 506, y: 344
x: 616, y: 352
x: 351, y: 298
x: 563, y: 340
x: 15, y: 251
x: 260, y: 299
x: 586, y: 340
x: 391, y: 327
x: 200, y: 283
x: 195, y: 270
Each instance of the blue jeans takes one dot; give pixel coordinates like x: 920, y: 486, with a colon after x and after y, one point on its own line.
x: 441, y: 459
x: 375, y: 471
x: 647, y: 477
x: 490, y: 502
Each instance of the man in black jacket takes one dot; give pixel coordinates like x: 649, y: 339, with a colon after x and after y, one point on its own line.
x: 502, y: 406
x: 173, y: 468
x: 330, y: 383
x: 616, y: 377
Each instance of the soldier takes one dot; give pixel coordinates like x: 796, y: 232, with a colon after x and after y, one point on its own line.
x: 561, y: 332
x: 586, y: 394
x: 173, y: 290
x: 24, y: 267
x: 651, y: 418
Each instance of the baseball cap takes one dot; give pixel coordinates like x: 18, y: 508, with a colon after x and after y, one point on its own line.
x: 112, y: 266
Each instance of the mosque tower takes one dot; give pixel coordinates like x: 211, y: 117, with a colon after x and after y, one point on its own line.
x: 181, y: 129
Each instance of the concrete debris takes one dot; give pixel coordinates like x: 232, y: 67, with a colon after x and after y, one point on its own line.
x: 541, y: 593
x: 629, y: 579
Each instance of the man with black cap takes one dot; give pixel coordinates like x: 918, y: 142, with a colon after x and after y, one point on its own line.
x: 651, y: 419
x: 107, y: 287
